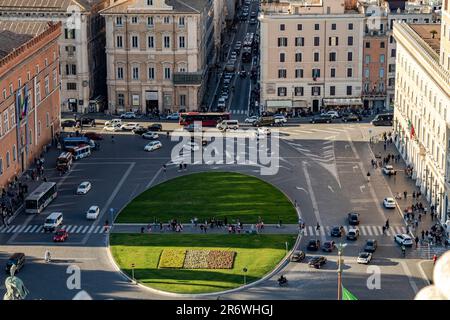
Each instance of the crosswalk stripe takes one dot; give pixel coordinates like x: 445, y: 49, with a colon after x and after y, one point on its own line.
x: 362, y: 230
x: 375, y: 231
x: 403, y: 229
x: 346, y: 229
x: 69, y: 228
x: 16, y: 228
x: 328, y: 229
x: 2, y: 228
x: 91, y: 228
x: 79, y: 229
x: 40, y: 229
x: 380, y: 230
x: 21, y: 229
x: 311, y: 232
x: 10, y: 229
x: 85, y: 229
x: 33, y: 228
x: 369, y: 231
x: 97, y: 229
x: 317, y: 232
x: 398, y: 229
x: 27, y: 228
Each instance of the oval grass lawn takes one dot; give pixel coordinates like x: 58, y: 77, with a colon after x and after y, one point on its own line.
x: 210, y: 195
x: 258, y: 253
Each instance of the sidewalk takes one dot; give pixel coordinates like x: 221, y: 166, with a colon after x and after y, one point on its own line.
x: 400, y: 183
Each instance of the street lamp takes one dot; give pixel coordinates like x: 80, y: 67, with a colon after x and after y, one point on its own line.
x: 340, y: 248
x: 132, y: 272
x: 245, y: 279
x: 111, y: 213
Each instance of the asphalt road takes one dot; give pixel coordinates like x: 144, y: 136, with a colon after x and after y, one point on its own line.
x: 323, y: 167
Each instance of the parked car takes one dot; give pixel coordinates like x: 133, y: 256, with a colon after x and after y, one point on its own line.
x: 317, y: 262
x: 87, y: 122
x: 313, y: 245
x: 403, y: 239
x: 332, y: 114
x: 388, y: 170
x: 153, y: 145
x: 253, y: 21
x: 221, y: 102
x: 61, y: 235
x: 84, y: 187
x: 128, y: 115
x: 328, y: 246
x: 129, y: 126
x: 352, y: 117
x: 353, y: 234
x: 389, y: 203
x: 150, y: 135
x: 93, y: 213
x: 371, y: 245
x: 298, y: 256
x: 321, y: 119
x: 113, y: 122
x: 173, y: 116
x: 139, y: 130
x: 155, y: 127
x: 353, y: 218
x: 251, y: 119
x: 364, y: 257
x: 280, y: 119
x: 68, y: 123
x: 93, y: 136
x: 113, y: 128
x: 17, y: 259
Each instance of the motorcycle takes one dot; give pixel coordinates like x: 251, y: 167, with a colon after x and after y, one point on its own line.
x: 282, y: 281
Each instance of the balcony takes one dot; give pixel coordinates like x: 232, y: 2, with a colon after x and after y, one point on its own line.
x: 374, y: 93
x: 187, y: 78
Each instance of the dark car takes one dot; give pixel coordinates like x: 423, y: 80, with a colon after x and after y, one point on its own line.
x: 317, y: 262
x: 68, y: 123
x: 155, y: 127
x: 328, y: 246
x: 87, y: 122
x: 321, y: 119
x: 313, y: 245
x: 371, y: 245
x: 139, y: 130
x: 351, y: 118
x: 297, y: 256
x: 93, y: 136
x: 18, y: 259
x: 336, y: 232
x: 353, y: 218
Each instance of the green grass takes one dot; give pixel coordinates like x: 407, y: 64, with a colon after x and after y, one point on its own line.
x: 207, y: 195
x: 258, y: 253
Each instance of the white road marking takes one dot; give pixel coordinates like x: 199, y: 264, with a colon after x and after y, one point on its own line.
x: 409, y: 275
x: 97, y: 229
x: 10, y: 229
x: 329, y: 187
x: 17, y: 228
x: 362, y: 188
x: 27, y: 228
x: 69, y: 228
x: 21, y: 229
x: 85, y: 229
x: 2, y: 228
x: 34, y: 228
x: 78, y: 229
x: 369, y: 231
x: 91, y: 228
x: 40, y: 229
x: 311, y: 232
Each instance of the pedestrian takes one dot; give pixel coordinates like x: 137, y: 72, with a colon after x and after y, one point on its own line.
x: 387, y: 224
x: 434, y: 259
x: 164, y: 168
x: 416, y: 223
x: 180, y: 167
x: 417, y: 241
x: 420, y: 217
x: 414, y: 195
x: 368, y: 176
x: 185, y: 166
x: 425, y: 211
x: 384, y: 229
x: 279, y: 223
x: 142, y: 229
x: 384, y: 146
x: 432, y: 215
x: 295, y: 203
x: 318, y: 226
x: 405, y: 194
x: 423, y: 235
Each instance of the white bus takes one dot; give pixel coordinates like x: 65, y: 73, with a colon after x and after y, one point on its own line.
x: 41, y: 197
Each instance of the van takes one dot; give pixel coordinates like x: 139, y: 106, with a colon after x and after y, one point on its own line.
x: 53, y: 221
x: 113, y: 122
x: 384, y: 119
x: 81, y: 152
x: 228, y: 124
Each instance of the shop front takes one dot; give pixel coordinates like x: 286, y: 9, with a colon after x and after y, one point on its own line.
x: 342, y: 104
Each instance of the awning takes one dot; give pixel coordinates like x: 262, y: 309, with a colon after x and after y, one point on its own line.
x: 300, y: 104
x: 342, y: 102
x: 279, y: 104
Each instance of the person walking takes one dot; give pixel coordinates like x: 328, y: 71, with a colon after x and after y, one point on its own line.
x: 317, y: 227
x: 384, y: 230
x: 405, y: 194
x: 432, y: 215
x: 164, y: 168
x: 387, y: 224
x: 417, y: 241
x: 414, y: 195
x: 368, y: 176
x: 434, y: 259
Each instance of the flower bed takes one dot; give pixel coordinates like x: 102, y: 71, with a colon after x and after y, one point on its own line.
x: 221, y: 259
x: 196, y: 259
x: 171, y: 258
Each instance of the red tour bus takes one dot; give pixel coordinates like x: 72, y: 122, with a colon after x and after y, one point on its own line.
x: 208, y: 119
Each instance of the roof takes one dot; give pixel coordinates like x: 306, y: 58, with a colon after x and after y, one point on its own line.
x: 45, y: 5
x: 424, y: 31
x: 187, y: 6
x: 13, y: 34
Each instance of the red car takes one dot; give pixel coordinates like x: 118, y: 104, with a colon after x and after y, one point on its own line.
x: 61, y: 235
x: 93, y: 136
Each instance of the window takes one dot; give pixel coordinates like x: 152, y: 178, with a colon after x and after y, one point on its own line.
x: 315, y: 91
x: 316, y: 56
x: 181, y: 21
x: 120, y: 73
x: 350, y: 26
x: 149, y: 2
x: 333, y: 73
x: 382, y: 45
x: 282, y: 73
x: 119, y: 21
x: 392, y: 67
x: 12, y: 113
x: 332, y: 90
x: 71, y: 86
x: 1, y: 166
x: 382, y: 58
x: 69, y: 33
x: 282, y: 57
x: 367, y: 44
x: 46, y: 85
x: 166, y: 41
x: 333, y: 26
x: 120, y: 99
x: 367, y: 72
x: 350, y: 41
x: 151, y: 42
x: 298, y: 91
x: 150, y: 21
x: 55, y: 78
x: 299, y: 41
x: 7, y: 160
x: 333, y: 41
x: 282, y: 91
x: 315, y: 73
x: 38, y: 92
x: 332, y: 56
x: 391, y: 39
x: 282, y: 42
x: 166, y: 72
x: 71, y: 69
x: 39, y: 129
x: 181, y: 42
x: 367, y: 58
x: 37, y: 70
x: 299, y: 73
x: 134, y: 41
x: 316, y: 41
x: 166, y: 20
x: 282, y: 27
x: 14, y: 152
x: 134, y: 20
x: 316, y: 26
x: 11, y: 88
x: 298, y: 57
x: 47, y: 120
x: 182, y: 100
x: 393, y: 52
x: 349, y: 90
x: 5, y: 122
x: 349, y: 56
x: 119, y: 42
x: 135, y: 73
x: 299, y: 27
x: 381, y: 72
x: 4, y: 93
x: 349, y: 72
x: 151, y: 73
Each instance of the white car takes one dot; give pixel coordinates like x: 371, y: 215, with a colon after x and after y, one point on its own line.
x: 128, y: 115
x: 389, y: 203
x: 84, y: 187
x: 173, y: 116
x: 280, y: 119
x: 221, y: 102
x: 403, y: 239
x: 388, y: 169
x: 153, y: 145
x: 364, y: 258
x: 113, y: 128
x: 191, y: 146
x: 113, y: 122
x: 225, y: 95
x: 150, y: 135
x: 93, y: 213
x: 333, y: 114
x: 129, y: 126
x: 251, y: 119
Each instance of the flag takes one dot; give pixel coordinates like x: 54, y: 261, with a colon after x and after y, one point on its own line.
x: 25, y: 101
x: 347, y: 295
x: 413, y: 132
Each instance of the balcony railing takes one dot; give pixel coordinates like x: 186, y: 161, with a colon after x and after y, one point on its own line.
x: 187, y: 78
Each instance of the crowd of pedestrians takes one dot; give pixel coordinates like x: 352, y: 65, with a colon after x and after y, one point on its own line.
x: 11, y: 198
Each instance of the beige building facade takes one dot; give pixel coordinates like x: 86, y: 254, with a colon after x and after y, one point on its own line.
x: 158, y: 53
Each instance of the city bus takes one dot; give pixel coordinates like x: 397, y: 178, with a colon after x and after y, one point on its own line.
x: 41, y: 197
x: 383, y: 119
x: 64, y: 161
x: 208, y: 119
x: 71, y: 142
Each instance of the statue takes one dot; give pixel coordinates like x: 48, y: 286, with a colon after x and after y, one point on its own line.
x: 15, y: 289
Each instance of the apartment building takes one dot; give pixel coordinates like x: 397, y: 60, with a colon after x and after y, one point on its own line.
x: 82, y: 44
x: 158, y: 54
x: 311, y: 55
x: 29, y: 93
x: 422, y: 105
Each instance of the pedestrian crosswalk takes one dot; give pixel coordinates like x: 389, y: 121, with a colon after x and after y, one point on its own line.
x: 238, y: 111
x: 81, y: 229
x: 364, y: 230
x: 425, y: 252
x: 307, y: 130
